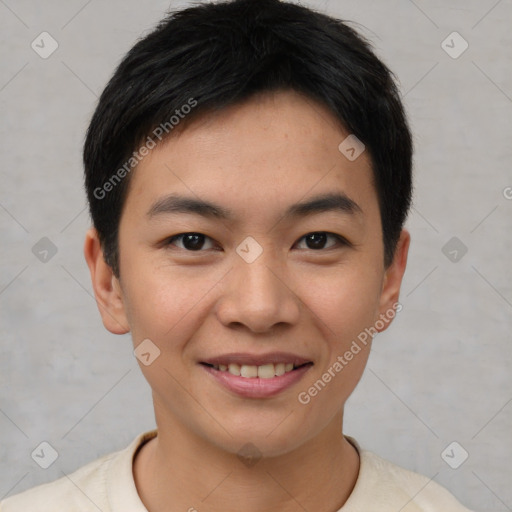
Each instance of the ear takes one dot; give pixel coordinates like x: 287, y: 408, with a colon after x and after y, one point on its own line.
x: 388, y: 305
x: 106, y: 286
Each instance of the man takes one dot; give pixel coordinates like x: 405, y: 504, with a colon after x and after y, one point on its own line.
x: 248, y: 170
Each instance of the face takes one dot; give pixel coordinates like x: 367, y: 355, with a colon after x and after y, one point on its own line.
x: 283, y: 268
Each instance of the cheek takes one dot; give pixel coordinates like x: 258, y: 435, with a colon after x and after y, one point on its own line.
x: 346, y: 303
x: 346, y: 306
x: 165, y: 304
x: 346, y: 300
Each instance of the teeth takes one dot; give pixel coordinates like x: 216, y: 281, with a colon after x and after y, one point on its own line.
x: 234, y: 369
x: 265, y: 371
x: 248, y: 371
x: 280, y: 369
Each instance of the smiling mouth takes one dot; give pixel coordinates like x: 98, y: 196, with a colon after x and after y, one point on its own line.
x: 264, y: 371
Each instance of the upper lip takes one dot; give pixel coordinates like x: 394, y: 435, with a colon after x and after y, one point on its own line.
x: 256, y: 359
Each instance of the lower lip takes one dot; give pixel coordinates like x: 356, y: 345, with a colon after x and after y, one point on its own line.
x: 256, y: 387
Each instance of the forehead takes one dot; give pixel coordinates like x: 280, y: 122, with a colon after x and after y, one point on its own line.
x: 267, y: 153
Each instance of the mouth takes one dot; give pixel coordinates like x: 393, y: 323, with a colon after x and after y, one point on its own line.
x: 257, y: 376
x: 264, y: 371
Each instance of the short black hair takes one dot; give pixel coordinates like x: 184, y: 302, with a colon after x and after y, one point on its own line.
x: 214, y: 55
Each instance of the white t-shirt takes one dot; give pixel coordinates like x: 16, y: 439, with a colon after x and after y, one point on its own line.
x: 107, y: 484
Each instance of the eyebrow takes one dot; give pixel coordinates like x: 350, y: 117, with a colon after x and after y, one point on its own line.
x: 330, y: 202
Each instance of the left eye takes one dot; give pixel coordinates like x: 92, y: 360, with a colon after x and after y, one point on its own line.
x: 314, y: 241
x: 317, y: 240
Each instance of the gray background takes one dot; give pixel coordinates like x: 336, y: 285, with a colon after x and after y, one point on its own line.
x: 440, y: 374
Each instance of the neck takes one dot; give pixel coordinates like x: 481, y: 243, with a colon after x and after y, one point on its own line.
x: 180, y: 471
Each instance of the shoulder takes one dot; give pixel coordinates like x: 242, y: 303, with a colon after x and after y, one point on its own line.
x: 82, y: 490
x: 104, y: 484
x: 421, y: 490
x: 387, y: 486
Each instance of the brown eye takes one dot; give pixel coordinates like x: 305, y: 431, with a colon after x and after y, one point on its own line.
x: 190, y: 241
x: 317, y: 241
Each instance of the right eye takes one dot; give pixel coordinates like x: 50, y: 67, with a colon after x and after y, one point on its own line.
x: 191, y: 242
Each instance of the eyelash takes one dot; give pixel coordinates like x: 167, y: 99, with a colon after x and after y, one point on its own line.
x: 341, y: 240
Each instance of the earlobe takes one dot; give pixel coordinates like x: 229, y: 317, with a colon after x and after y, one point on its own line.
x: 389, y: 303
x: 106, y: 287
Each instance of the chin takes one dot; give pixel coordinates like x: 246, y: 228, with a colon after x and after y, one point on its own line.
x: 256, y: 436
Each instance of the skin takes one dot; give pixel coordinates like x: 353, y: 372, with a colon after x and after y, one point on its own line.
x: 256, y: 158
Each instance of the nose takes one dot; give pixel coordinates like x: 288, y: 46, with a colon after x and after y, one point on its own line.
x: 258, y: 295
